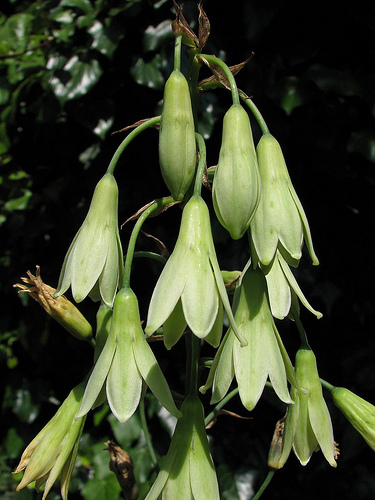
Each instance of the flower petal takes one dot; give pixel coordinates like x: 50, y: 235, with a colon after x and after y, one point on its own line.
x: 98, y: 375
x: 152, y: 374
x: 167, y: 291
x: 124, y: 381
x: 200, y: 300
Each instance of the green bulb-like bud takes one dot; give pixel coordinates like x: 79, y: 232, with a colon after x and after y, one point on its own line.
x: 177, y: 148
x: 236, y: 186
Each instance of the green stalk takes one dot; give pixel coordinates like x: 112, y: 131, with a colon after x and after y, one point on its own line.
x: 232, y: 82
x: 327, y: 385
x: 219, y: 406
x: 177, y: 53
x: 192, y: 363
x: 256, y: 113
x: 150, y: 447
x: 193, y: 75
x: 301, y: 330
x: 133, y: 134
x: 266, y: 482
x: 162, y: 202
x: 201, y: 164
x: 151, y: 255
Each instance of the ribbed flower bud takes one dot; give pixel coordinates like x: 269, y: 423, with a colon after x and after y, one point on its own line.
x: 359, y: 412
x: 177, y: 148
x: 236, y: 186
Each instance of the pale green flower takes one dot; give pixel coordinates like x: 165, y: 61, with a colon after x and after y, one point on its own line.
x: 279, y: 221
x: 187, y: 472
x: 54, y: 449
x: 308, y: 425
x: 359, y: 412
x: 93, y: 264
x: 264, y: 355
x: 192, y: 274
x: 125, y: 364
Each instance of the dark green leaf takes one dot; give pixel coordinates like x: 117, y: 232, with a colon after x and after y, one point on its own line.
x: 76, y: 79
x: 148, y: 73
x: 100, y: 489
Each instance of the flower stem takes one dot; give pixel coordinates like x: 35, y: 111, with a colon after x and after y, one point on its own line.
x: 266, y: 482
x: 201, y: 164
x: 151, y: 255
x: 255, y: 111
x: 219, y: 406
x: 177, y: 53
x: 229, y: 75
x: 192, y: 363
x: 301, y: 330
x: 327, y: 385
x: 150, y: 447
x: 133, y: 134
x: 162, y: 202
x: 193, y: 74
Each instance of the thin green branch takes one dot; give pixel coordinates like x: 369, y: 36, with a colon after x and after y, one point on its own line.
x: 133, y: 134
x: 201, y: 164
x: 229, y: 75
x: 219, y: 406
x: 151, y: 255
x: 142, y: 413
x: 266, y: 482
x: 177, y: 53
x: 301, y: 330
x: 255, y: 111
x: 162, y: 202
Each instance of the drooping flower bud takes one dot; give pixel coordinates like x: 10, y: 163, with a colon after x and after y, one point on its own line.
x: 177, y: 147
x: 236, y: 186
x: 308, y: 424
x: 187, y: 470
x: 59, y: 308
x: 127, y: 347
x: 359, y: 412
x: 93, y: 264
x: 280, y: 221
x: 54, y: 449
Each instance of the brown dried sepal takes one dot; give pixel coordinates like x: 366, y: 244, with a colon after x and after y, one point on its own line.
x: 204, y: 27
x: 276, y: 446
x: 181, y: 27
x: 122, y: 465
x: 218, y: 79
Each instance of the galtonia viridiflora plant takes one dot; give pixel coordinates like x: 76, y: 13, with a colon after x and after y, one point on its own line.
x: 250, y: 193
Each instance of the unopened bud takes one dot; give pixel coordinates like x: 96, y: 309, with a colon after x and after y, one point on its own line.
x: 59, y: 308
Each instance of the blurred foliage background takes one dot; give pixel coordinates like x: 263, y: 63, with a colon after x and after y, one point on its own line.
x: 74, y: 71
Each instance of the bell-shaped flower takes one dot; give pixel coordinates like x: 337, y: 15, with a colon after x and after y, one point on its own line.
x: 93, y: 264
x: 264, y: 355
x: 236, y: 185
x: 192, y: 274
x: 125, y: 364
x: 187, y: 472
x: 359, y: 412
x: 281, y: 285
x: 59, y: 308
x: 308, y: 425
x: 279, y: 221
x: 53, y: 451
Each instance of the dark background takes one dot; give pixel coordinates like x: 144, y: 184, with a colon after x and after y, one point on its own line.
x: 312, y: 75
